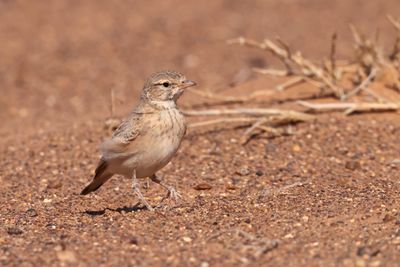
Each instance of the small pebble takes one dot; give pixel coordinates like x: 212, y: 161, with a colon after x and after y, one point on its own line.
x: 288, y: 236
x: 187, y: 239
x: 14, y: 231
x: 259, y: 173
x: 133, y: 240
x: 244, y: 171
x: 202, y: 186
x: 352, y: 165
x: 31, y: 213
x: 296, y: 148
x: 231, y: 187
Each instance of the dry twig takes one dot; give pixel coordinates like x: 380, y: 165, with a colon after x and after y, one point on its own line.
x: 350, y: 108
x: 333, y: 58
x: 362, y: 86
x: 250, y: 112
x: 272, y: 72
x: 246, y: 120
x: 262, y: 119
x: 256, y: 125
x: 232, y: 99
x: 368, y: 56
x: 112, y: 122
x: 290, y: 83
x: 395, y: 54
x: 282, y: 51
x: 395, y: 23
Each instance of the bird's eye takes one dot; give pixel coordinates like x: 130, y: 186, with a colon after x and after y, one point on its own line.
x: 166, y: 84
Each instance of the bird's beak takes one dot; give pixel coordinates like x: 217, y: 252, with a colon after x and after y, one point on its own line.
x: 188, y: 83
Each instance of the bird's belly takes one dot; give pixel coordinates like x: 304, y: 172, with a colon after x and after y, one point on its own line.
x: 152, y: 158
x: 155, y: 158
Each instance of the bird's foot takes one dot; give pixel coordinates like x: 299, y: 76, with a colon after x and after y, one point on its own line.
x: 172, y: 194
x: 136, y: 189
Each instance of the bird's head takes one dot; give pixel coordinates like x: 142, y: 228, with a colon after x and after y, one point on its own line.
x: 165, y: 86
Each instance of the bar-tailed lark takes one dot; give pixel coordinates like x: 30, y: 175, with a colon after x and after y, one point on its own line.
x: 148, y: 138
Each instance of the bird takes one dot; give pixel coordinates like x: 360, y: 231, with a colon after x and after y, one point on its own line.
x: 148, y: 138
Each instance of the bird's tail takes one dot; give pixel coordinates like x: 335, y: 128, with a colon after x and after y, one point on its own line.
x: 100, y: 177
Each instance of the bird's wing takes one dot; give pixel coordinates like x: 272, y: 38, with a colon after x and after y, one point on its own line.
x: 115, y: 147
x: 126, y: 133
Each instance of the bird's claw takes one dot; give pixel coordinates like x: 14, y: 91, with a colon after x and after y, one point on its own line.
x: 172, y: 193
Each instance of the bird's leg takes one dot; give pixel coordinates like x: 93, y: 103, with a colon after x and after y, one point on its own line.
x: 135, y: 187
x: 147, y: 184
x: 172, y: 193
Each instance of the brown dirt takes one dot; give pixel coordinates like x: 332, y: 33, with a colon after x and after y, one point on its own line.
x: 327, y: 196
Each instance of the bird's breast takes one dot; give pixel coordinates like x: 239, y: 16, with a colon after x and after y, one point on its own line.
x: 165, y: 134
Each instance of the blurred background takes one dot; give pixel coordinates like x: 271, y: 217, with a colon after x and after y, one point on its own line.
x: 327, y: 190
x: 60, y: 59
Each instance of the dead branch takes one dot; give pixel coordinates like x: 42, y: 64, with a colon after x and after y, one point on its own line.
x: 290, y: 83
x: 298, y: 79
x: 250, y: 112
x: 350, y: 108
x: 333, y: 57
x: 358, y: 37
x: 112, y: 104
x: 306, y: 67
x: 112, y: 122
x: 286, y: 60
x: 319, y: 73
x: 261, y: 119
x: 248, y: 122
x: 368, y: 55
x: 395, y: 54
x: 394, y: 22
x: 232, y: 99
x: 271, y: 131
x: 393, y: 81
x: 273, y: 121
x: 245, y: 120
x: 363, y: 70
x: 255, y: 125
x: 249, y: 132
x: 270, y: 117
x: 362, y: 86
x: 272, y: 72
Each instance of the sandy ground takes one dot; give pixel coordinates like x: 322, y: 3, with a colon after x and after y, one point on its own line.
x: 327, y: 196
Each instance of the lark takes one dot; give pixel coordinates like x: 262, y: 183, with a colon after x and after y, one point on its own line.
x: 148, y: 138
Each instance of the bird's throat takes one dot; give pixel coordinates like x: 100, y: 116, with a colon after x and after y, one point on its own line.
x: 162, y: 104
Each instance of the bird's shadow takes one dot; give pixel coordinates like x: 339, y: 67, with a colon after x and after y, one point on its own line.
x: 124, y: 209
